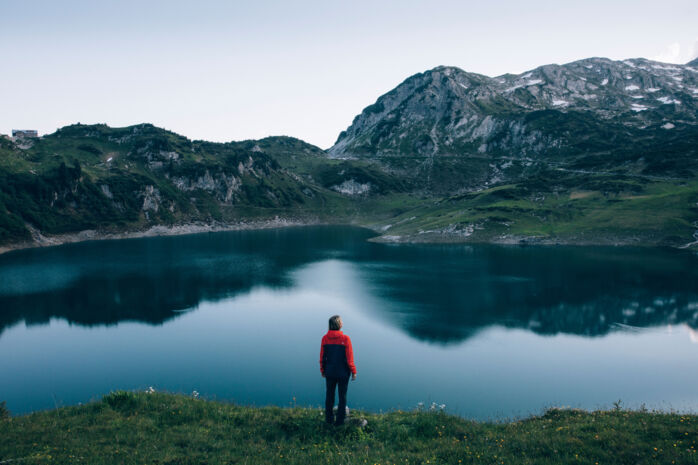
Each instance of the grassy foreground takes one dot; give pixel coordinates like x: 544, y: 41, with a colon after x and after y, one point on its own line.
x: 174, y: 429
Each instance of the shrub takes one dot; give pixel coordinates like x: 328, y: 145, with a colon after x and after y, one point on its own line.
x: 121, y: 400
x: 4, y: 412
x: 90, y: 149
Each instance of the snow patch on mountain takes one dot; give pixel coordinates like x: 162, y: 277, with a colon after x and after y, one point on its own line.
x: 666, y: 67
x: 352, y: 187
x: 531, y: 82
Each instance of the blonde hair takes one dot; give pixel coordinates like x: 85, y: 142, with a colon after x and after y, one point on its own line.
x: 335, y: 322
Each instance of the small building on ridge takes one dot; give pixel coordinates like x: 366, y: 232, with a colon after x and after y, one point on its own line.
x: 24, y: 133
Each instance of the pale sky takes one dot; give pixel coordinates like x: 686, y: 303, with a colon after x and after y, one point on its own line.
x: 232, y: 70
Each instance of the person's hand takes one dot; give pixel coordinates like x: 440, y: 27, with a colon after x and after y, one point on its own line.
x: 353, y: 377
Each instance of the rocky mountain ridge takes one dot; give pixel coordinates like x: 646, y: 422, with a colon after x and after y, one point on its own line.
x: 466, y: 106
x: 507, y: 127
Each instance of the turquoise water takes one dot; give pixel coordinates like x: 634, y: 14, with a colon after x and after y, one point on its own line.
x: 490, y: 331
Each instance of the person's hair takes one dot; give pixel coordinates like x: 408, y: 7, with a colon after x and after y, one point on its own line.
x: 335, y: 322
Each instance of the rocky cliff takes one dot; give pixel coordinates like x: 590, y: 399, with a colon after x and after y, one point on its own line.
x: 97, y: 177
x: 451, y: 130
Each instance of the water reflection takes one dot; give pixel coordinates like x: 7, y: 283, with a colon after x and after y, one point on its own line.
x: 152, y: 280
x: 448, y: 295
x: 440, y: 294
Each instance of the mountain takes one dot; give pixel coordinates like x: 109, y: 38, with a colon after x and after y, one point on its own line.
x: 591, y: 152
x: 448, y: 130
x: 97, y: 177
x: 693, y: 63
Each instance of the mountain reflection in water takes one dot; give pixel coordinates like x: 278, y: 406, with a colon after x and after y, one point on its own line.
x: 437, y: 293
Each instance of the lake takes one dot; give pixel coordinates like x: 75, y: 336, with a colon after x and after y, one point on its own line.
x: 491, y: 332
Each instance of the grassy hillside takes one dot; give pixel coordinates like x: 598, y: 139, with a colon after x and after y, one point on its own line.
x: 173, y: 429
x: 124, y: 179
x: 97, y: 177
x: 592, y: 209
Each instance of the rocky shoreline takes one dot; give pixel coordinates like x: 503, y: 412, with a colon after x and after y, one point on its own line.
x: 41, y: 240
x: 582, y: 241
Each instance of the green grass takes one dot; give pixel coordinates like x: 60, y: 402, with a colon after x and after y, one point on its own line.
x: 161, y: 428
x: 658, y: 213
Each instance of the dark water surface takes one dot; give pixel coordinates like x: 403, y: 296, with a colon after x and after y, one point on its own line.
x: 489, y: 331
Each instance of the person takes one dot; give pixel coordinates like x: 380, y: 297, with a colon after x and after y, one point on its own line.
x: 336, y: 364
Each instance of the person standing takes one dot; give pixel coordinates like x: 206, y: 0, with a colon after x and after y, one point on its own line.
x: 336, y: 364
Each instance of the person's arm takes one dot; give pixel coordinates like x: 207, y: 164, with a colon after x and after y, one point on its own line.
x: 350, y: 357
x: 322, y: 357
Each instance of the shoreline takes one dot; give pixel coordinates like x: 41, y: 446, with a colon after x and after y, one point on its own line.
x: 40, y: 240
x: 522, y: 240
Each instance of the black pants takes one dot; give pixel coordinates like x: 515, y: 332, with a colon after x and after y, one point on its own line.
x: 341, y: 384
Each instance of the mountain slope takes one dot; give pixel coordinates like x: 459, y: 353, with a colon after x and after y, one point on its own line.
x: 449, y: 130
x: 97, y: 177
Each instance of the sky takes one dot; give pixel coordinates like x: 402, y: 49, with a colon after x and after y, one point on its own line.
x: 224, y: 70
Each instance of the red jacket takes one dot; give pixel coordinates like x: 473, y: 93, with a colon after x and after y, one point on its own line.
x: 336, y: 355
